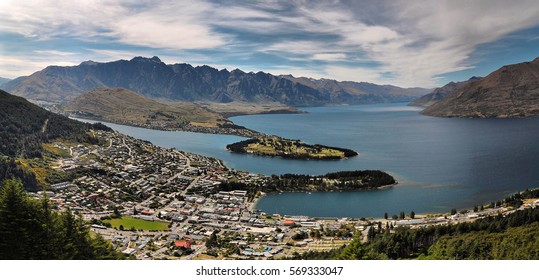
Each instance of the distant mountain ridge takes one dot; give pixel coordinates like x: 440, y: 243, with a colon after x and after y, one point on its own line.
x: 441, y: 92
x: 511, y: 91
x: 155, y: 79
x: 4, y: 80
x: 360, y: 93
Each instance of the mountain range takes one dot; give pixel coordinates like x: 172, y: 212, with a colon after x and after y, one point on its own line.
x: 155, y: 79
x: 511, y: 91
x: 441, y: 92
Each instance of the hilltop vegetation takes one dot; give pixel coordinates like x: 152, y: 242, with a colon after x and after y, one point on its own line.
x: 274, y: 146
x: 25, y: 126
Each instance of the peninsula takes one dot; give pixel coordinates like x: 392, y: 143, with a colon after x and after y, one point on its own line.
x: 122, y: 106
x: 274, y: 146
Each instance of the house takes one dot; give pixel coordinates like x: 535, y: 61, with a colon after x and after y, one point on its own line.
x: 183, y: 243
x: 289, y: 223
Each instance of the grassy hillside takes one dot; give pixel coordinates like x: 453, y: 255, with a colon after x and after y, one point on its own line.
x: 122, y: 106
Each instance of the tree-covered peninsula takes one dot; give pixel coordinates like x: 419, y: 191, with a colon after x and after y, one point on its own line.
x: 274, y: 146
x: 338, y: 181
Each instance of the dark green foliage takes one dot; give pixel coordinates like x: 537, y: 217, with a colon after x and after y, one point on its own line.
x: 239, y: 147
x: 29, y: 229
x: 300, y: 236
x: 212, y: 241
x: 347, y: 181
x: 25, y: 126
x: 11, y: 169
x: 514, y: 244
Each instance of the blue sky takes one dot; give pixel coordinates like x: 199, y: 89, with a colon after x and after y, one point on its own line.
x: 404, y: 43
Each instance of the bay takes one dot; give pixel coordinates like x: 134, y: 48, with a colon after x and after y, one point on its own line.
x: 440, y: 163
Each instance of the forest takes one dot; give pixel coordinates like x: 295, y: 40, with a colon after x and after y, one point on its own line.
x: 338, y: 181
x: 25, y: 126
x: 31, y: 230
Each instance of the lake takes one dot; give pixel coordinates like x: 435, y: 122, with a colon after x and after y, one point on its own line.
x: 440, y: 163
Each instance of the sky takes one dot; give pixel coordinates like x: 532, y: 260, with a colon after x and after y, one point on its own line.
x: 405, y: 43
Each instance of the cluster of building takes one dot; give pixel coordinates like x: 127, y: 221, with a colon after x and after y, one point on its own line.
x: 125, y: 177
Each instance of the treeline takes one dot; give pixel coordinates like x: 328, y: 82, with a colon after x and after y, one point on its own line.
x: 338, y: 181
x: 25, y: 126
x: 29, y: 229
x: 239, y: 147
x: 499, y: 237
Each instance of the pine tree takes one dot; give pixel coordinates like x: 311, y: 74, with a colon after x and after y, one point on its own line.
x: 29, y: 229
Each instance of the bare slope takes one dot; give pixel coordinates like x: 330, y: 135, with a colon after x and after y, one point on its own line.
x: 122, y: 106
x: 441, y: 92
x: 511, y: 91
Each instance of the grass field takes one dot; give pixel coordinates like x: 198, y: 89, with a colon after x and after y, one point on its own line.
x: 129, y: 222
x: 272, y: 146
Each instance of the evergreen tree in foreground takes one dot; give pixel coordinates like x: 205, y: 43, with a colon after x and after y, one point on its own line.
x: 29, y: 229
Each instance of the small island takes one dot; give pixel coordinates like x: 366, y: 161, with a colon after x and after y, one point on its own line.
x: 274, y: 146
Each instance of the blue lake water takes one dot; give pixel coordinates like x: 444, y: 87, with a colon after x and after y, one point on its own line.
x: 440, y: 163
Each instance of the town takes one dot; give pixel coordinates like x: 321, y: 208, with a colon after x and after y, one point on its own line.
x: 157, y: 203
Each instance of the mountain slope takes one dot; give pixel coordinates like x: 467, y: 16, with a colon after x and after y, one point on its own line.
x: 123, y: 106
x: 25, y: 126
x: 440, y: 93
x: 155, y: 79
x: 511, y: 91
x: 3, y: 80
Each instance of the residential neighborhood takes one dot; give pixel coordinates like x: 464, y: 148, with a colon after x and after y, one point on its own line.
x: 157, y: 203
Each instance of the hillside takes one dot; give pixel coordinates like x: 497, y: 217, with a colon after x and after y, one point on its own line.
x: 25, y: 126
x: 155, y: 79
x: 127, y: 107
x: 3, y: 80
x: 440, y: 93
x: 511, y: 91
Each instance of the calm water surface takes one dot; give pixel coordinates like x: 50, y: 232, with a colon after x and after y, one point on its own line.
x: 439, y: 163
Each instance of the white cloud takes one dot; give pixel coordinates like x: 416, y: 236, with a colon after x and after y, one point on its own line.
x: 329, y: 56
x: 165, y: 24
x: 414, y: 41
x: 15, y: 66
